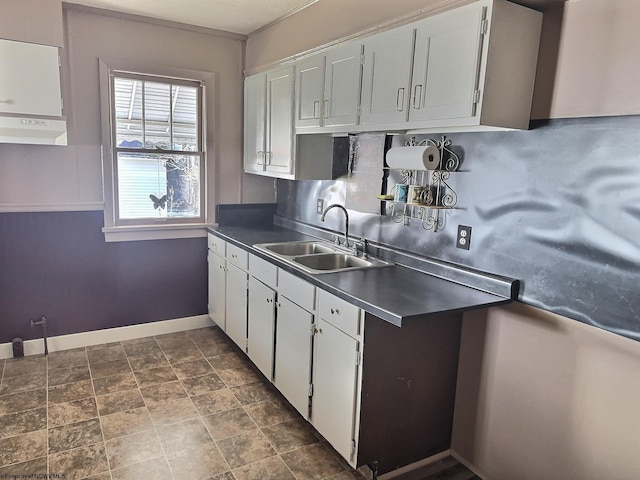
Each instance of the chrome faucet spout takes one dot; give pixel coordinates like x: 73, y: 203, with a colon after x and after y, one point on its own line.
x: 346, y: 220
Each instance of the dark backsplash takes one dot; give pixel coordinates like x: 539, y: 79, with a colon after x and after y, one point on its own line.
x: 557, y: 207
x: 57, y: 264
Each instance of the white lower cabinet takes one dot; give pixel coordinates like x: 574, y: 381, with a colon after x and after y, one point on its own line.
x: 261, y: 326
x: 293, y: 354
x: 335, y: 387
x: 236, y: 300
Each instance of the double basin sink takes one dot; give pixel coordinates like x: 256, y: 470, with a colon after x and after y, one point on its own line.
x: 319, y: 257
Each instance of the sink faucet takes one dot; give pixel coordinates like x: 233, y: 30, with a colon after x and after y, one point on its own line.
x: 346, y: 221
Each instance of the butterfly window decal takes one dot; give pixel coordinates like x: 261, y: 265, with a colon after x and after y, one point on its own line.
x: 158, y: 202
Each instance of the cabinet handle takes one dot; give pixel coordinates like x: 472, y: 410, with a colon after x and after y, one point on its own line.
x: 317, y: 330
x: 267, y: 157
x: 325, y: 109
x: 316, y: 108
x: 260, y: 157
x: 268, y: 300
x: 399, y: 101
x: 417, y: 97
x: 278, y: 305
x: 8, y: 101
x: 334, y: 311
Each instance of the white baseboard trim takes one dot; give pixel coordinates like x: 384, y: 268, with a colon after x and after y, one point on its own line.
x: 107, y: 335
x: 415, y: 465
x: 470, y: 466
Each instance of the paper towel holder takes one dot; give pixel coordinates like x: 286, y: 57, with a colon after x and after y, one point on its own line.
x: 429, y: 211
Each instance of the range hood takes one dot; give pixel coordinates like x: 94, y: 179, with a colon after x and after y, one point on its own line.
x: 30, y: 94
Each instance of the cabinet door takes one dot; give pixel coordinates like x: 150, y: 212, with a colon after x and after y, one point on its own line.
x: 254, y: 123
x: 309, y: 91
x: 261, y: 326
x: 236, y: 320
x: 217, y: 289
x: 335, y: 377
x: 292, y: 374
x: 280, y: 136
x: 30, y: 79
x: 447, y: 64
x: 342, y: 86
x: 387, y: 77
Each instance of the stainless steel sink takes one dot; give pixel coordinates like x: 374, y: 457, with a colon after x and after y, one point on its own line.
x: 290, y: 249
x: 319, y: 257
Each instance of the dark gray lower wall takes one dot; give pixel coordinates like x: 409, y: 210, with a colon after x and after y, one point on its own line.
x: 557, y: 207
x: 57, y: 264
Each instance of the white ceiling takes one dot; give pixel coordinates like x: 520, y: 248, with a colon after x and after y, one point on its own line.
x: 238, y: 16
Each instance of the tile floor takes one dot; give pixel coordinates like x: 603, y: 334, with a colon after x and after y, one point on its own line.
x: 186, y: 406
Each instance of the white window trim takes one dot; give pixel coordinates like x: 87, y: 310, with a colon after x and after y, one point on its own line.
x: 118, y: 233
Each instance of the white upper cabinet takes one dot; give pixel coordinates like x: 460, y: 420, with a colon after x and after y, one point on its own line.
x: 387, y: 77
x: 446, y: 65
x: 328, y: 89
x: 309, y: 91
x: 33, y: 21
x: 342, y: 85
x: 254, y: 123
x: 474, y: 68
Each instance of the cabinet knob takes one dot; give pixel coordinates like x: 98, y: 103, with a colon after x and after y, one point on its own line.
x: 317, y: 330
x: 334, y: 311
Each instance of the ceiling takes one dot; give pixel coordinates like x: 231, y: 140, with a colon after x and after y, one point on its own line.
x: 237, y: 16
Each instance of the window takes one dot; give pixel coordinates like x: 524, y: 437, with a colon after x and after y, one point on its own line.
x: 154, y: 175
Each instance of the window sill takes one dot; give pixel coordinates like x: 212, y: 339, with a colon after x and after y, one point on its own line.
x: 154, y: 232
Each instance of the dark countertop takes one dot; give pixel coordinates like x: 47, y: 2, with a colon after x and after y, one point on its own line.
x: 396, y: 294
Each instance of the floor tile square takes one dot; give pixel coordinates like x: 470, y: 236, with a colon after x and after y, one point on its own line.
x: 114, y: 383
x: 288, y: 436
x: 106, y: 369
x: 172, y: 411
x: 254, y: 393
x: 203, y: 384
x: 74, y: 435
x: 216, y: 349
x: 198, y: 463
x: 72, y: 412
x: 119, y: 401
x: 234, y: 377
x: 155, y: 375
x: 312, y: 462
x: 245, y: 448
x: 228, y: 360
x: 24, y: 469
x: 76, y: 357
x: 215, y: 402
x: 23, y: 422
x: 61, y: 376
x: 192, y: 369
x: 172, y: 341
x: 181, y: 355
x: 79, y: 463
x: 70, y: 391
x: 148, y: 347
x: 269, y: 412
x: 179, y: 436
x: 132, y: 449
x: 157, y: 394
x: 229, y: 423
x: 271, y: 468
x: 126, y: 423
x: 23, y: 383
x: 107, y: 354
x: 147, y: 362
x: 25, y: 366
x: 17, y: 402
x: 24, y: 447
x: 158, y: 468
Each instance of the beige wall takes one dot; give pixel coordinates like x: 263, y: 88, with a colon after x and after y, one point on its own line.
x: 544, y: 397
x: 36, y: 178
x: 588, y: 62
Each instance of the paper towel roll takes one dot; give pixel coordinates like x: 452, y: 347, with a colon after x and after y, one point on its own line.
x: 423, y: 157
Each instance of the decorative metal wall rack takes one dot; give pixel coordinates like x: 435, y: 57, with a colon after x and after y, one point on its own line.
x: 435, y: 196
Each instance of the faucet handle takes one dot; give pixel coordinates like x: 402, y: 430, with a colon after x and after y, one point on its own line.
x: 360, y: 246
x: 335, y: 239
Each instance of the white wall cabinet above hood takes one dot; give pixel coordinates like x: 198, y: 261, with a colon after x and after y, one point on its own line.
x: 30, y: 94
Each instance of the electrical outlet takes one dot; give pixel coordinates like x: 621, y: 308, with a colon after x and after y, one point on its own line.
x: 320, y: 206
x: 464, y: 237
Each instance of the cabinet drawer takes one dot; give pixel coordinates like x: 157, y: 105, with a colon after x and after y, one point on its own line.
x: 216, y: 245
x: 298, y: 291
x: 340, y: 313
x: 264, y: 271
x: 238, y: 256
